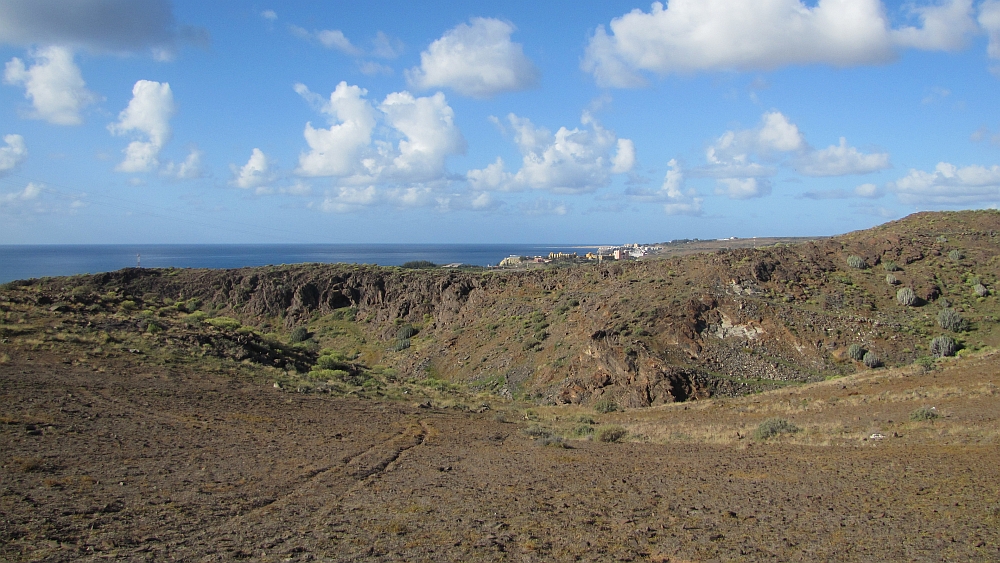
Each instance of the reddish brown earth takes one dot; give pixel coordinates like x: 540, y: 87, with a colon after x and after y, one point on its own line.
x: 117, y: 459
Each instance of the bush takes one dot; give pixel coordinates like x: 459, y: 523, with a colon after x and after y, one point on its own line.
x: 226, y: 323
x: 300, y: 334
x: 891, y: 279
x: 955, y: 255
x: 419, y: 264
x: 949, y: 319
x: 890, y: 266
x: 583, y: 430
x: 605, y: 406
x: 906, y: 297
x: 857, y: 262
x: 856, y: 352
x: 612, y: 434
x: 536, y: 431
x: 334, y: 360
x: 943, y: 346
x: 405, y: 332
x: 773, y: 427
x: 554, y: 442
x: 872, y: 360
x: 924, y: 413
x: 980, y: 290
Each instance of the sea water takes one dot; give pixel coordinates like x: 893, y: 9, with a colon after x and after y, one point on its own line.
x: 34, y: 261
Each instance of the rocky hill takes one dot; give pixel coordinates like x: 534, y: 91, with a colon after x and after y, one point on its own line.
x: 631, y: 334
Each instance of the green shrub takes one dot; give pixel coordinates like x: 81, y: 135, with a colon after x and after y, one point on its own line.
x: 891, y: 279
x: 857, y: 262
x: 980, y: 290
x: 906, y: 297
x: 943, y: 346
x: 554, y: 442
x: 955, y: 255
x: 606, y: 406
x: 583, y: 430
x: 300, y: 334
x: 612, y: 434
x: 332, y: 361
x: 330, y: 374
x: 196, y: 317
x: 225, y: 323
x: 856, y: 352
x: 773, y: 427
x: 890, y: 266
x: 949, y: 319
x: 419, y: 264
x: 344, y: 314
x: 923, y: 414
x: 537, y: 431
x: 872, y: 360
x: 128, y: 305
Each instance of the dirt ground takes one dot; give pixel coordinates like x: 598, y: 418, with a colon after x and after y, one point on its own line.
x: 120, y: 460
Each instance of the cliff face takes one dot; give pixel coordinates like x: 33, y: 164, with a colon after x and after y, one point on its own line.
x: 640, y: 333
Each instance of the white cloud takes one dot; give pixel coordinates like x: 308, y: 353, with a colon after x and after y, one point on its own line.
x: 30, y: 192
x: 329, y: 38
x: 841, y: 160
x: 117, y: 26
x: 676, y: 200
x: 269, y: 15
x: 476, y: 59
x: 13, y: 154
x: 944, y: 27
x: 255, y: 173
x: 190, y: 169
x: 424, y: 126
x: 989, y: 19
x: 572, y: 161
x: 949, y: 185
x: 743, y: 188
x: 147, y: 116
x: 774, y: 134
x: 53, y: 84
x: 386, y: 47
x: 868, y: 190
x: 693, y: 35
x: 372, y: 68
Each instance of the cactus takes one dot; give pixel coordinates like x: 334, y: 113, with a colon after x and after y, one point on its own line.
x: 891, y: 279
x: 857, y: 262
x: 955, y: 255
x: 872, y: 360
x: 906, y: 297
x: 856, y: 352
x: 943, y: 346
x: 890, y: 266
x: 949, y: 319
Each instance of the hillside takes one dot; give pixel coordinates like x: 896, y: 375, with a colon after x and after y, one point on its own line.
x: 636, y: 333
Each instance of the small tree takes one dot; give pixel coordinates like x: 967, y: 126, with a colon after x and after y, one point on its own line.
x: 906, y: 297
x: 943, y: 346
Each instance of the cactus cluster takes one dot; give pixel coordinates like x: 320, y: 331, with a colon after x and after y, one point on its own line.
x: 943, y: 346
x: 906, y: 297
x: 857, y: 262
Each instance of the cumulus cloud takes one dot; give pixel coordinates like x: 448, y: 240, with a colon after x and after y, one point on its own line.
x: 743, y: 188
x: 13, y: 154
x: 53, y: 84
x: 255, y: 173
x: 571, y: 161
x: 424, y: 126
x: 676, y: 200
x: 190, y: 169
x: 30, y: 192
x: 97, y: 25
x: 148, y: 118
x: 989, y: 19
x: 694, y: 35
x: 841, y: 160
x: 948, y: 184
x: 476, y: 59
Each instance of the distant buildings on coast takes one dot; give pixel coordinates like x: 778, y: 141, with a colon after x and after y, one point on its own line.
x: 624, y: 252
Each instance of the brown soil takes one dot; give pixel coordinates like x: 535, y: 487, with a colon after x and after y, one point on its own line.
x: 121, y: 459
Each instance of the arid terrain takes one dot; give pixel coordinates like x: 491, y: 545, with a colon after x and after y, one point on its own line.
x: 708, y: 407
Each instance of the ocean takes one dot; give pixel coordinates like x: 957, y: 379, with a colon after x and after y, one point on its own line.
x: 34, y: 261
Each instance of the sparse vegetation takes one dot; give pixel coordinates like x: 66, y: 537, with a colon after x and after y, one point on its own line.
x: 605, y: 405
x: 890, y: 266
x: 611, y: 434
x: 774, y: 427
x: 419, y: 264
x: 955, y: 255
x: 300, y: 334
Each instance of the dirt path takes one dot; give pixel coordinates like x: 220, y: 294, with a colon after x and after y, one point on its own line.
x: 156, y: 463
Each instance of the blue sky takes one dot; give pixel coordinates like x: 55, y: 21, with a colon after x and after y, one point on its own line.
x: 151, y: 121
